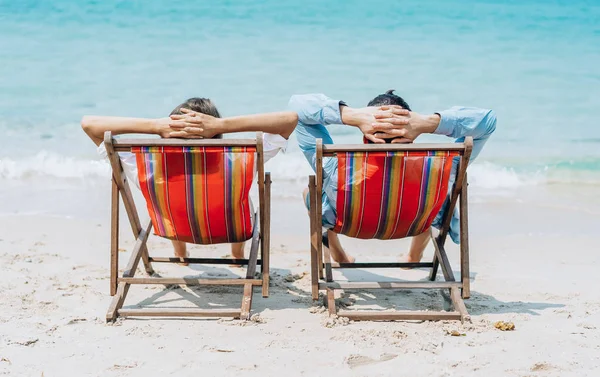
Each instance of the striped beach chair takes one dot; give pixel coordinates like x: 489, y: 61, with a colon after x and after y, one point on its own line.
x: 391, y: 191
x: 196, y: 191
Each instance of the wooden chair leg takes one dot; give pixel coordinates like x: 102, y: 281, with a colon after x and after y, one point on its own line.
x: 320, y: 258
x: 266, y: 238
x: 246, y: 302
x: 251, y: 270
x: 327, y: 257
x: 136, y: 225
x: 253, y: 256
x: 123, y: 288
x: 114, y: 238
x: 331, y: 302
x: 459, y: 304
x: 434, y: 268
x: 442, y: 258
x: 464, y: 241
x: 435, y: 261
x: 314, y: 259
x: 117, y: 302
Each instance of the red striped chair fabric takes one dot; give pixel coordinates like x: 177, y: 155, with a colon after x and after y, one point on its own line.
x: 198, y: 194
x: 389, y: 195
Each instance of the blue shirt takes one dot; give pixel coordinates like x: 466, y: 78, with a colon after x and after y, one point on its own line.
x: 316, y: 111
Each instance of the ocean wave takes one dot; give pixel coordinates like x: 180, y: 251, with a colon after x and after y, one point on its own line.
x: 50, y: 165
x: 487, y: 175
x: 291, y: 168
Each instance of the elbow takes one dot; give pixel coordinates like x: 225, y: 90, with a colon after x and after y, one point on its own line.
x: 294, y: 103
x: 92, y: 128
x: 291, y: 120
x: 292, y: 117
x: 491, y: 121
x: 87, y: 124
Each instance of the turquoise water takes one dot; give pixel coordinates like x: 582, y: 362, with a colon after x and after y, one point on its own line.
x: 537, y: 63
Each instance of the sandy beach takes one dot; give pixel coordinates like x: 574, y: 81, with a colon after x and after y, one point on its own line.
x: 534, y: 203
x: 54, y: 294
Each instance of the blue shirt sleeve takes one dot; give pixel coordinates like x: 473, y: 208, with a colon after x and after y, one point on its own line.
x: 315, y: 112
x: 313, y: 109
x: 460, y: 122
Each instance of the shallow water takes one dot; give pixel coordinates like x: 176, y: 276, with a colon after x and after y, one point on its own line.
x: 536, y: 63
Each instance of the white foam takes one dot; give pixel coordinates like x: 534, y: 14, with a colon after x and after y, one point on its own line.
x: 291, y: 168
x: 490, y: 176
x: 51, y: 165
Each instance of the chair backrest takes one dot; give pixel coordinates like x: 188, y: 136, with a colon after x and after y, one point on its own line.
x: 392, y: 191
x: 197, y: 191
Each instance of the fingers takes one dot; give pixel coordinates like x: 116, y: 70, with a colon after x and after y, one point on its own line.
x: 185, y: 135
x: 394, y: 109
x: 390, y: 123
x: 387, y: 115
x: 389, y: 129
x: 189, y: 112
x: 401, y: 140
x: 180, y: 124
x: 374, y: 139
x: 190, y: 118
x: 386, y: 135
x: 193, y: 130
x: 395, y: 139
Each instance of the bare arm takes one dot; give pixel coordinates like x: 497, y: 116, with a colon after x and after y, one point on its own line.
x: 95, y: 126
x: 193, y: 124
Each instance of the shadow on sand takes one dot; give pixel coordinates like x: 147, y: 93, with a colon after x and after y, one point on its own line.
x: 288, y: 292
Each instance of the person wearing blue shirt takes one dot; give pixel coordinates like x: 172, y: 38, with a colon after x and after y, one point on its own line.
x: 387, y: 116
x: 317, y: 111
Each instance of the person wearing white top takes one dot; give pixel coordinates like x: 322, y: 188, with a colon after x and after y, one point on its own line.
x: 199, y: 118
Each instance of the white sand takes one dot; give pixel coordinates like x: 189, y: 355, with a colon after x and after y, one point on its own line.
x: 54, y: 296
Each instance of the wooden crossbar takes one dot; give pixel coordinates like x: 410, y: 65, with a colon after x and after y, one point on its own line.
x: 167, y: 312
x: 390, y: 285
x: 123, y: 145
x: 381, y: 265
x: 190, y: 281
x: 399, y: 315
x: 331, y: 149
x: 240, y: 262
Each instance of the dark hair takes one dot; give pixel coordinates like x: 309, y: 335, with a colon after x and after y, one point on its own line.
x: 389, y: 98
x: 199, y: 105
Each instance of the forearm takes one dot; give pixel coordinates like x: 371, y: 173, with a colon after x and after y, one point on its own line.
x: 96, y: 126
x: 280, y: 123
x: 460, y: 122
x: 466, y: 121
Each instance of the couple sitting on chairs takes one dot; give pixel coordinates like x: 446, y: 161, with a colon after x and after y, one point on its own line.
x: 386, y: 119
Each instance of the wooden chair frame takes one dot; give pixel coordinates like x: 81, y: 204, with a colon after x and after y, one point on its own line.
x: 119, y: 286
x: 321, y: 264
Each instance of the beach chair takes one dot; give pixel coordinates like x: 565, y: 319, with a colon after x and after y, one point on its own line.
x: 391, y: 191
x: 196, y: 191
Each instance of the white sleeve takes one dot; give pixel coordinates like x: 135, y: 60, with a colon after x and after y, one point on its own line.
x: 272, y: 144
x: 127, y: 161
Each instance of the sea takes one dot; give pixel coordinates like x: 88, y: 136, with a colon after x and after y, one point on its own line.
x: 536, y: 63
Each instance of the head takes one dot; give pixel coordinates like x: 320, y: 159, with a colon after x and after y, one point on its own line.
x: 388, y: 98
x: 199, y: 105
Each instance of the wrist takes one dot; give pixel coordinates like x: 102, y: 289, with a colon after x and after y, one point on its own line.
x: 231, y: 124
x: 349, y: 116
x: 155, y: 126
x: 428, y: 123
